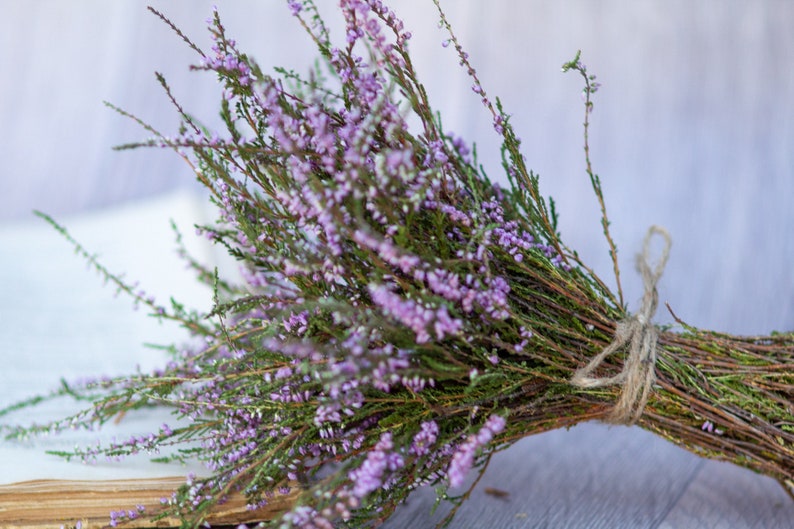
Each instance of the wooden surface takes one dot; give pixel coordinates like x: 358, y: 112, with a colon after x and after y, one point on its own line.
x: 49, y: 504
x: 693, y: 129
x: 594, y: 476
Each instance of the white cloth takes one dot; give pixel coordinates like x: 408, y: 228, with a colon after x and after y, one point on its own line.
x: 60, y: 321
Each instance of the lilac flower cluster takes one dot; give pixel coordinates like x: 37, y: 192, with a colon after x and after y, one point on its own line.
x: 373, y: 472
x: 122, y: 516
x: 235, y: 441
x: 381, y: 367
x: 463, y: 458
x: 525, y: 335
x: 416, y: 317
x: 115, y: 451
x: 226, y: 60
x: 361, y: 23
x: 507, y: 234
x: 708, y: 426
x: 425, y: 439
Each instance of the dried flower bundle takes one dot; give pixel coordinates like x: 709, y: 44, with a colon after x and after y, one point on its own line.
x: 401, y: 317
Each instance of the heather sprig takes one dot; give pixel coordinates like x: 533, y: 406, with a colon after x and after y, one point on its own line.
x: 400, y: 317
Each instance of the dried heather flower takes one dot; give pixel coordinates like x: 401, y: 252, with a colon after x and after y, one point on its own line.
x: 463, y: 458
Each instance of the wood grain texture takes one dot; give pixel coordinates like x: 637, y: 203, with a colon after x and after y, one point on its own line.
x: 693, y: 129
x: 724, y: 496
x: 45, y: 504
x: 597, y: 476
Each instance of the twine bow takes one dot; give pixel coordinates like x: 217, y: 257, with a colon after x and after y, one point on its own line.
x: 638, y: 374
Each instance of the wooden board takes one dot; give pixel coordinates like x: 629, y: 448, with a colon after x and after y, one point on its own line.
x: 45, y: 504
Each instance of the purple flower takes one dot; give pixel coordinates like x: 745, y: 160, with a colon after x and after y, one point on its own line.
x: 425, y: 438
x: 708, y: 426
x: 305, y: 517
x: 414, y: 315
x: 297, y: 323
x: 380, y: 460
x: 463, y: 458
x: 327, y: 413
x: 295, y: 7
x: 387, y: 251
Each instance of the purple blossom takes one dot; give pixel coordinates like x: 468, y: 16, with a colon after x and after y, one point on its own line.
x: 380, y: 460
x: 498, y: 124
x: 327, y: 413
x: 387, y: 251
x: 305, y: 517
x: 297, y: 323
x: 415, y: 316
x: 463, y: 458
x: 417, y: 383
x: 708, y: 426
x: 424, y: 439
x: 295, y: 7
x: 436, y: 154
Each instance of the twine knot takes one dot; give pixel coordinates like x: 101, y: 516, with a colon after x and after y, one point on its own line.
x: 641, y: 335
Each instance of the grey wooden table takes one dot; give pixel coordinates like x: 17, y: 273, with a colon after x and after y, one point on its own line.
x: 693, y: 129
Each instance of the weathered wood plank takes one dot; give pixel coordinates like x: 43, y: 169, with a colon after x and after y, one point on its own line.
x: 724, y: 495
x: 44, y: 504
x: 589, y: 476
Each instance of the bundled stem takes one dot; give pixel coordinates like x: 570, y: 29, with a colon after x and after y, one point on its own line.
x: 741, y: 389
x: 723, y: 397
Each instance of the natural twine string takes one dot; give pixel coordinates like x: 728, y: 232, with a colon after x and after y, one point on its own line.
x: 639, y: 332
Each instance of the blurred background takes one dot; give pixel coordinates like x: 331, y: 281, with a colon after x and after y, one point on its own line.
x: 693, y: 128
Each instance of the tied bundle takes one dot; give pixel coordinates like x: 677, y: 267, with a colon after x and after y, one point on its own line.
x: 400, y: 317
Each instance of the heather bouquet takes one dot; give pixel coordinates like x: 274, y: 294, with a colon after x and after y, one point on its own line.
x: 399, y: 317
